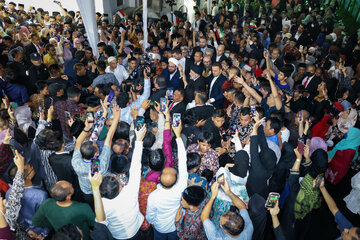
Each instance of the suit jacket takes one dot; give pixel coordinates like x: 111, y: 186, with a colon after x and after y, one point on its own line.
x: 312, y: 86
x: 199, y: 48
x: 179, y: 108
x: 221, y: 58
x: 188, y: 64
x: 29, y: 49
x: 194, y: 85
x: 175, y: 82
x: 278, y: 63
x: 217, y: 92
x: 201, y: 112
x: 155, y: 96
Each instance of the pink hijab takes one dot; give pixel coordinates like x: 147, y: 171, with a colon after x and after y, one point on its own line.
x: 317, y: 143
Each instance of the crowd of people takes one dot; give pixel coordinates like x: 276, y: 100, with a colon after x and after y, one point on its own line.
x: 241, y: 124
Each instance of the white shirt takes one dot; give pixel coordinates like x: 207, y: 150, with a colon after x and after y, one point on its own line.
x: 120, y: 73
x: 218, y: 57
x: 211, y: 87
x: 125, y: 114
x: 163, y: 203
x: 123, y: 216
x: 297, y: 36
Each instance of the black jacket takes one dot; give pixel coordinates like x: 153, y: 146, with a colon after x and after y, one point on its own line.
x: 155, y: 96
x: 178, y: 108
x: 209, y: 126
x: 29, y: 49
x: 194, y: 85
x: 37, y: 73
x: 201, y: 112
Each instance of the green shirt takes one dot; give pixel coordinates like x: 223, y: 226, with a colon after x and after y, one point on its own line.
x: 52, y: 215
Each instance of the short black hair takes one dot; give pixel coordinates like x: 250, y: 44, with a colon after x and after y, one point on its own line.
x: 275, y: 124
x: 54, y: 69
x: 101, y: 44
x: 193, y: 160
x: 73, y: 92
x: 109, y: 188
x: 122, y: 99
x: 202, y: 96
x: 149, y: 139
x: 101, y: 65
x: 205, y: 136
x: 240, y: 97
x: 157, y: 160
x: 287, y: 69
x: 40, y: 85
x: 219, y: 113
x: 122, y: 131
x: 245, y: 111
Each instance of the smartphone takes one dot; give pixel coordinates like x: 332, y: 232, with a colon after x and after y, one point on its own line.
x: 152, y: 103
x: 301, y: 47
x: 272, y: 199
x: 252, y: 110
x: 140, y: 121
x: 318, y: 180
x: 90, y: 116
x: 300, y: 116
x: 176, y: 119
x: 56, y: 1
x: 170, y: 94
x: 67, y: 115
x: 40, y: 109
x: 301, y: 147
x: 221, y: 179
x: 163, y: 102
x: 51, y: 101
x: 233, y: 129
x: 111, y: 96
x: 95, y: 166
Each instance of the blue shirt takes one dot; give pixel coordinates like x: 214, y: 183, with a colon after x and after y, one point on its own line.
x: 15, y: 92
x: 274, y: 139
x: 196, y: 180
x: 277, y: 82
x: 342, y: 222
x: 214, y: 233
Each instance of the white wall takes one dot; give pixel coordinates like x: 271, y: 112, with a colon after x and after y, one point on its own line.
x: 49, y: 5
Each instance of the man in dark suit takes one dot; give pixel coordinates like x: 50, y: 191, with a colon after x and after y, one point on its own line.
x: 202, y: 47
x: 301, y: 36
x: 178, y: 105
x: 160, y: 89
x: 197, y: 60
x: 201, y: 110
x: 216, y: 93
x: 33, y: 47
x: 311, y: 82
x: 220, y: 53
x: 195, y: 83
x: 172, y: 75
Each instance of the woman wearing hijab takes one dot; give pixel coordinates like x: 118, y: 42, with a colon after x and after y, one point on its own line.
x: 67, y: 46
x: 316, y: 143
x: 304, y: 197
x: 342, y: 155
x: 236, y: 177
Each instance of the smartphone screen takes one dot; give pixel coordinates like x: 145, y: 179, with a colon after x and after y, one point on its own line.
x: 233, y: 129
x: 170, y: 94
x: 272, y: 199
x: 67, y: 115
x: 40, y: 109
x: 90, y: 117
x: 95, y: 166
x: 140, y: 121
x: 176, y: 119
x: 252, y: 110
x: 300, y: 116
x: 111, y: 96
x: 318, y: 180
x: 163, y: 102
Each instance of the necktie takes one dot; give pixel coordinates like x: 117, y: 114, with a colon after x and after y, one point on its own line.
x: 307, y: 81
x: 171, y: 106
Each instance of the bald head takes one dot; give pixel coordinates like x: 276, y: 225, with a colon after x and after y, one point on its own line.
x: 168, y: 177
x: 61, y: 191
x: 220, y: 50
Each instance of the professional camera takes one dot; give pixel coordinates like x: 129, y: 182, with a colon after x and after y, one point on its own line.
x: 137, y: 76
